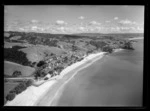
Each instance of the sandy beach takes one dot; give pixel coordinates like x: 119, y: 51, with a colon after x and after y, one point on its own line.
x: 117, y: 50
x: 59, y: 91
x: 32, y: 94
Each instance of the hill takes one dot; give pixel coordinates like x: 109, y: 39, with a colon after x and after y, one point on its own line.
x: 10, y: 67
x: 126, y: 35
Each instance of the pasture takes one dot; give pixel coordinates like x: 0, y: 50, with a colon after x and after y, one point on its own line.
x: 37, y: 53
x: 10, y: 67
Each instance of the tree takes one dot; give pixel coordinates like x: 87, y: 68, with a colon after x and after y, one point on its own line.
x: 58, y: 69
x: 128, y: 45
x: 43, y: 73
x: 10, y: 96
x: 41, y: 63
x: 16, y: 73
x: 98, y: 44
x: 50, y: 72
x: 46, y: 78
x: 74, y: 48
x: 21, y: 87
x: 15, y: 55
x: 65, y: 59
x: 89, y: 52
x: 28, y: 83
x: 107, y: 49
x: 33, y: 64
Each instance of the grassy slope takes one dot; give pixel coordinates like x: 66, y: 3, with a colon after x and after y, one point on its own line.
x: 111, y: 34
x: 36, y: 53
x: 8, y: 87
x: 10, y: 67
x: 8, y: 44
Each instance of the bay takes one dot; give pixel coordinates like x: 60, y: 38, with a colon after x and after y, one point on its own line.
x: 114, y: 80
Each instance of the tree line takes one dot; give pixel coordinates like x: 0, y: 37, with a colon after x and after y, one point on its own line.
x: 18, y: 89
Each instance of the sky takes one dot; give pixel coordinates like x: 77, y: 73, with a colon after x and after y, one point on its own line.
x: 68, y: 19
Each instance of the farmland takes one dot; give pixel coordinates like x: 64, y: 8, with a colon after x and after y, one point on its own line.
x: 10, y: 67
x: 38, y: 52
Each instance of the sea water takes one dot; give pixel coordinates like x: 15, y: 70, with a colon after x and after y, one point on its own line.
x: 114, y: 80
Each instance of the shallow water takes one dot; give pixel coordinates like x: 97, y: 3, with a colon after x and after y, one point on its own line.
x: 115, y: 80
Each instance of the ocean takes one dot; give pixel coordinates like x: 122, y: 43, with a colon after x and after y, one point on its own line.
x: 114, y: 80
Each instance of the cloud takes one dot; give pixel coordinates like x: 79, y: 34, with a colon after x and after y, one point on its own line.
x: 41, y: 29
x: 140, y: 28
x: 82, y: 29
x: 61, y: 29
x: 115, y: 29
x: 127, y: 28
x: 60, y: 22
x: 34, y: 28
x: 60, y: 26
x: 131, y: 29
x: 34, y: 21
x: 81, y: 17
x: 107, y: 21
x: 94, y: 23
x: 115, y: 18
x: 21, y: 29
x: 124, y: 22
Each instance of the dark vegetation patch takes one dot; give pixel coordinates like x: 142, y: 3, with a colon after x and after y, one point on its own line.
x: 14, y: 55
x: 18, y: 89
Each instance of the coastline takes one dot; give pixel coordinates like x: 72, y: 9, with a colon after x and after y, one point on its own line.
x: 32, y: 94
x: 136, y: 38
x: 60, y: 90
x: 56, y: 97
x: 117, y: 50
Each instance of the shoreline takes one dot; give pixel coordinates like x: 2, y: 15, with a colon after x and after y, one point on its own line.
x: 60, y: 90
x: 32, y: 94
x: 117, y: 50
x: 136, y: 38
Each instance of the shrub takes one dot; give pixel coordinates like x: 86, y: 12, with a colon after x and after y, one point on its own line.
x: 46, y: 78
x: 98, y: 44
x: 10, y: 96
x: 41, y: 63
x: 107, y: 49
x: 21, y: 87
x: 13, y: 91
x: 128, y: 45
x: 33, y: 64
x: 28, y: 83
x: 16, y: 73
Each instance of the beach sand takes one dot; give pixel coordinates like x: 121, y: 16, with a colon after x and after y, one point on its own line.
x: 53, y: 95
x: 32, y: 94
x: 57, y: 95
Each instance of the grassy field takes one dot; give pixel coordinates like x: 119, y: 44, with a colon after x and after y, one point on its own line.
x: 15, y: 38
x: 10, y: 67
x: 8, y: 45
x: 37, y: 53
x: 8, y: 87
